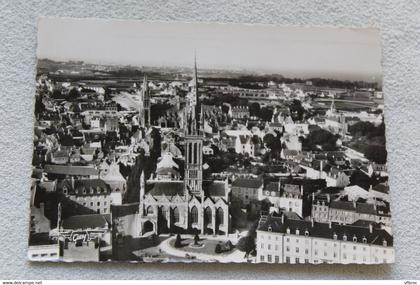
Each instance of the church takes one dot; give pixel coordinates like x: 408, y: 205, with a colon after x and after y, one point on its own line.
x: 192, y: 205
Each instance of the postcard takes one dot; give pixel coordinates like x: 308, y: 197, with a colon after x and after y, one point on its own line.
x: 208, y: 142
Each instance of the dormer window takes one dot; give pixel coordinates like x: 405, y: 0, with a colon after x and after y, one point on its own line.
x: 297, y: 232
x: 270, y: 229
x: 288, y: 230
x: 354, y: 239
x: 84, y: 190
x: 335, y: 236
x: 364, y: 240
x: 91, y: 190
x: 344, y: 237
x: 306, y: 233
x: 384, y: 243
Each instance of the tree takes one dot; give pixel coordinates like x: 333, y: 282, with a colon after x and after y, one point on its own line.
x: 266, y: 114
x: 196, y: 239
x: 360, y: 179
x: 73, y: 94
x: 361, y: 128
x: 178, y: 240
x: 246, y: 244
x: 297, y: 110
x: 320, y: 137
x: 225, y: 109
x: 157, y: 139
x: 218, y: 248
x: 254, y: 109
x: 57, y: 94
x: 376, y: 153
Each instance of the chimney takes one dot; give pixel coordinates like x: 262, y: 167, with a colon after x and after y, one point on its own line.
x: 313, y: 197
x: 328, y: 198
x: 321, y: 167
x: 59, y: 216
x: 371, y: 228
x: 354, y: 204
x: 370, y: 187
x: 329, y: 224
x: 312, y: 222
x: 301, y: 190
x: 227, y: 189
x: 282, y: 218
x: 279, y: 185
x: 142, y: 185
x: 72, y: 182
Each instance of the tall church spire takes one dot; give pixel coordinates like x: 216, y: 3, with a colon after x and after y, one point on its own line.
x: 193, y: 177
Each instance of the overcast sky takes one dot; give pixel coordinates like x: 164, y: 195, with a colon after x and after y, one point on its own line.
x: 302, y: 52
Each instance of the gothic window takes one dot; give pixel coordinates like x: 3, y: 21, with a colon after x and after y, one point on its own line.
x: 189, y: 153
x: 195, y: 153
x: 220, y: 216
x: 176, y: 215
x: 194, y: 215
x: 208, y: 216
x: 162, y: 213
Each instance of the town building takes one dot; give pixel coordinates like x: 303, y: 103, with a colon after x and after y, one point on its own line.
x: 246, y: 190
x: 283, y: 240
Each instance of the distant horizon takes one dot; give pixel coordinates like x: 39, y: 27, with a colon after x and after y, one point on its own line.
x: 292, y: 52
x: 244, y: 71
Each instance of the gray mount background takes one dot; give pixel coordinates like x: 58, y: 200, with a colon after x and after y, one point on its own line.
x: 399, y: 22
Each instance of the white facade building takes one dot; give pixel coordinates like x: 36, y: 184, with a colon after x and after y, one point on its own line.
x: 280, y: 240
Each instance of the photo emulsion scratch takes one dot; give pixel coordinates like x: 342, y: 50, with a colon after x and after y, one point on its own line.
x: 182, y: 142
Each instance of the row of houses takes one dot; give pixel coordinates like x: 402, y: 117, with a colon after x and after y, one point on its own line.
x: 284, y: 240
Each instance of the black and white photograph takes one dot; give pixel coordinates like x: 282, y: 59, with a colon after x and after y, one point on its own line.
x: 206, y: 142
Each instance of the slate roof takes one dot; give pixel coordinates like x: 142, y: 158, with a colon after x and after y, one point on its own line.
x: 247, y: 183
x: 124, y: 209
x: 80, y: 185
x: 71, y: 170
x: 214, y: 188
x: 167, y: 188
x: 343, y: 205
x: 82, y: 222
x: 365, y: 208
x: 40, y: 239
x: 381, y: 188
